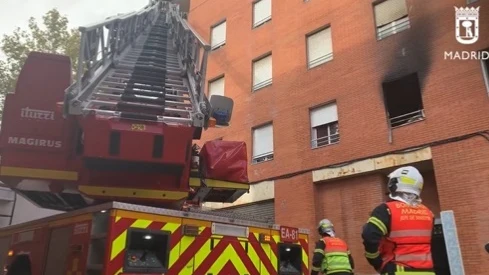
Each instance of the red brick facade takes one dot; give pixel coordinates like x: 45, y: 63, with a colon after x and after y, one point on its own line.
x: 455, y: 100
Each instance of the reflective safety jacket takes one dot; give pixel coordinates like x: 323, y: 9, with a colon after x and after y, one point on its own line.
x: 409, y: 241
x: 336, y: 257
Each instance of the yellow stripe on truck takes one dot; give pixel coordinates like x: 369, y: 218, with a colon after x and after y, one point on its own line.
x: 120, y: 242
x: 38, y: 173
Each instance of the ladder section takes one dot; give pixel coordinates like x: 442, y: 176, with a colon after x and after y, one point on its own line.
x: 148, y: 65
x: 146, y: 83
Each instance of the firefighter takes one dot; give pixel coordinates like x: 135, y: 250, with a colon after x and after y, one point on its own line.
x: 331, y: 255
x: 397, y: 236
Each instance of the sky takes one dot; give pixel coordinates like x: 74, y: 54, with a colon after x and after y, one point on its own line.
x: 16, y: 13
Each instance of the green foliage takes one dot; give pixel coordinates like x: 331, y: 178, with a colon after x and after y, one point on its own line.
x: 53, y: 36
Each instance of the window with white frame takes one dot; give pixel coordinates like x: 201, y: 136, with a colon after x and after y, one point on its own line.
x: 262, y: 12
x: 324, y: 126
x: 263, y: 143
x: 262, y: 72
x: 319, y: 48
x: 218, y: 35
x: 391, y: 17
x: 216, y: 87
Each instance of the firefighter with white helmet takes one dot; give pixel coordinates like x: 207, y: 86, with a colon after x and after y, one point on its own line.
x: 331, y: 254
x: 397, y: 236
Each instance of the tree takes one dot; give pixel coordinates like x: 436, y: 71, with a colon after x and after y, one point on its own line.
x: 53, y: 37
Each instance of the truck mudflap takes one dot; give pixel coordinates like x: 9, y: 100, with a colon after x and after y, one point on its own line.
x: 187, y: 246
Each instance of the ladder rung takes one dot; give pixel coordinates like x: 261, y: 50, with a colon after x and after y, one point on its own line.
x: 149, y: 64
x: 95, y: 103
x: 168, y: 86
x: 143, y: 89
x: 121, y: 91
x: 117, y: 114
x: 129, y: 73
x: 144, y: 67
x: 167, y: 102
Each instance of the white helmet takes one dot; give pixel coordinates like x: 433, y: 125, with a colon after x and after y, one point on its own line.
x: 325, y: 226
x: 406, y: 179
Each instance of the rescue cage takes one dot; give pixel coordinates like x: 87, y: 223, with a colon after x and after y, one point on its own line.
x: 119, y: 238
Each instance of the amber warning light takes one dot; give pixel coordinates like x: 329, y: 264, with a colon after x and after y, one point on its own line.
x: 265, y: 238
x: 10, y: 253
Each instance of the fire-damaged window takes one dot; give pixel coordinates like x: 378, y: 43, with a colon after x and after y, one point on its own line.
x: 391, y: 17
x: 289, y: 259
x: 147, y: 251
x: 403, y: 100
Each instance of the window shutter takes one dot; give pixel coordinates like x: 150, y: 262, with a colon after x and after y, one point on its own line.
x: 262, y: 10
x: 218, y: 35
x: 262, y: 70
x: 324, y: 115
x: 319, y: 46
x: 263, y: 140
x: 216, y: 87
x: 389, y: 11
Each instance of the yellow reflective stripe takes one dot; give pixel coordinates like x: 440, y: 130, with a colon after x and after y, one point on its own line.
x: 414, y: 257
x: 407, y: 180
x: 415, y: 273
x: 253, y: 256
x: 120, y: 242
x: 175, y: 252
x: 379, y: 224
x: 315, y: 268
x: 319, y: 251
x: 229, y: 254
x: 117, y: 218
x: 372, y: 255
x: 410, y: 233
x: 118, y: 271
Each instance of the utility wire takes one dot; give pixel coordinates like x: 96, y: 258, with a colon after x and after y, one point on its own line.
x: 484, y: 134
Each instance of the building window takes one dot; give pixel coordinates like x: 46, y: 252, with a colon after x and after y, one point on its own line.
x: 216, y: 87
x: 391, y: 17
x: 263, y: 143
x: 319, y: 48
x: 262, y: 72
x: 471, y: 1
x: 324, y: 126
x: 403, y: 100
x: 218, y: 35
x: 262, y: 12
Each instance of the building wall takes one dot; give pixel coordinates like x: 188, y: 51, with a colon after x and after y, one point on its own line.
x: 454, y: 93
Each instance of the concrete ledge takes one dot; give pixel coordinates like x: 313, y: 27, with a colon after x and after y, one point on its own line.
x: 372, y: 164
x: 261, y: 191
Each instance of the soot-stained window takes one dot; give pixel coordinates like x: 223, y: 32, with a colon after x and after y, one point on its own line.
x: 403, y: 100
x: 290, y: 259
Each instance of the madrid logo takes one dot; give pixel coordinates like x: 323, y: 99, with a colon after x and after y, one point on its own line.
x: 467, y: 25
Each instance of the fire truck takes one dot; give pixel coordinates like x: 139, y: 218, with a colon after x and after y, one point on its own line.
x: 114, y: 149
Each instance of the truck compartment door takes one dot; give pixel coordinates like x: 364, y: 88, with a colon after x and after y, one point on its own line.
x: 59, y: 242
x: 289, y: 259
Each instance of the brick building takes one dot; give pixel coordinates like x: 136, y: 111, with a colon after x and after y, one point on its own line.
x: 331, y: 96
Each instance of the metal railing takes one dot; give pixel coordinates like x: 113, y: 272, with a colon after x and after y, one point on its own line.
x: 393, y: 28
x: 193, y: 52
x: 406, y: 119
x: 325, y: 140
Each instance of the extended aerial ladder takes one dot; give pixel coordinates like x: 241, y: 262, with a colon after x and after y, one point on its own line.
x: 124, y: 129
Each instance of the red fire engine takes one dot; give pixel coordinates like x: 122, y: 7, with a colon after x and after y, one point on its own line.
x: 123, y: 131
